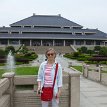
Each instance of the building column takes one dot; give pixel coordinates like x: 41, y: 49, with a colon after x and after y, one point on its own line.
x: 84, y: 42
x: 74, y: 42
x: 53, y: 42
x: 19, y: 42
x: 8, y: 42
x: 30, y: 42
x: 103, y: 43
x: 41, y: 43
x: 64, y: 42
x: 94, y: 42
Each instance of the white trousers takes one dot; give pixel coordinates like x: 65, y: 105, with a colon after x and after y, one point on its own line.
x: 55, y: 103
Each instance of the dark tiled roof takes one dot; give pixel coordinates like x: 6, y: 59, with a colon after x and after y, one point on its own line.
x: 12, y: 29
x: 49, y: 27
x: 45, y: 20
x: 52, y: 36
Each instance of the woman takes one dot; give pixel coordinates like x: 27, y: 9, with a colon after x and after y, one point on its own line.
x: 46, y: 76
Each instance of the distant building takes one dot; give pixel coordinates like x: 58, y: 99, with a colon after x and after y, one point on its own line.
x: 46, y: 30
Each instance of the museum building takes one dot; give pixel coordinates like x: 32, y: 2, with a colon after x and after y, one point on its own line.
x: 50, y: 30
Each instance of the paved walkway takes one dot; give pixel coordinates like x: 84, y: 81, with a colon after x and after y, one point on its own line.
x: 92, y: 94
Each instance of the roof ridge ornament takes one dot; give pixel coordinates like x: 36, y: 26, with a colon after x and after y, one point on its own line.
x: 59, y: 15
x: 34, y: 14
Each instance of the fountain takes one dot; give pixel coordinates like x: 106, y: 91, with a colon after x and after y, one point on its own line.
x: 10, y: 65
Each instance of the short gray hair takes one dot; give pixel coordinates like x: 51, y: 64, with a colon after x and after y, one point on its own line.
x: 50, y: 49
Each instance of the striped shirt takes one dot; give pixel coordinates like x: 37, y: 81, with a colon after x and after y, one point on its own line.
x: 48, y: 80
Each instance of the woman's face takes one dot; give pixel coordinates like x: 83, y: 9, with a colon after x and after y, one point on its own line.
x: 51, y: 55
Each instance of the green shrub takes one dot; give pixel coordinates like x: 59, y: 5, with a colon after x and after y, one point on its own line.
x: 103, y: 51
x: 82, y: 59
x: 2, y: 64
x: 97, y: 48
x: 76, y: 54
x: 90, y: 52
x: 68, y: 55
x: 2, y: 52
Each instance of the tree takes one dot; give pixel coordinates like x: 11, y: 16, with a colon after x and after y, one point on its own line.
x: 22, y: 49
x: 7, y: 49
x: 83, y: 49
x: 97, y: 49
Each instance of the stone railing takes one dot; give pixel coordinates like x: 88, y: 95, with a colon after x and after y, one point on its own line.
x: 12, y: 96
x: 95, y: 73
x: 6, y: 90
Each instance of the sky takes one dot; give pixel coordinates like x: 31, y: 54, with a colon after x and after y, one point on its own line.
x: 88, y: 13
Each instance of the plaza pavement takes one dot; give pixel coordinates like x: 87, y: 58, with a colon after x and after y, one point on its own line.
x: 92, y: 94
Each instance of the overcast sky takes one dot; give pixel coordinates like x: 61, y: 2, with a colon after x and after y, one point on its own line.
x: 88, y: 13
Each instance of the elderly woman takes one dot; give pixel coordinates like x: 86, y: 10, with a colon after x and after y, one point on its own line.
x: 46, y: 77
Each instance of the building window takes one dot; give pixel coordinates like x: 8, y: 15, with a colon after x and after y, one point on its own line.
x: 14, y: 42
x: 98, y: 42
x: 16, y: 26
x: 3, y: 32
x: 15, y: 32
x: 68, y: 42
x: 78, y: 33
x: 36, y: 42
x: 25, y: 42
x: 27, y: 26
x: 47, y: 42
x: 79, y: 42
x: 47, y: 27
x: 59, y: 43
x: 3, y: 42
x: 66, y: 27
x: 89, y: 42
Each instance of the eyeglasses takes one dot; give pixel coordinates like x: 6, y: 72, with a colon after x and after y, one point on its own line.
x: 50, y: 54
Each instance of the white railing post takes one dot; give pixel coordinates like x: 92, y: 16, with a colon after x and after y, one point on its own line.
x: 85, y: 70
x: 99, y: 70
x: 74, y: 90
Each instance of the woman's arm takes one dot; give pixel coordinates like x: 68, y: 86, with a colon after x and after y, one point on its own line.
x: 59, y: 81
x: 39, y: 84
x: 39, y: 79
x: 60, y: 76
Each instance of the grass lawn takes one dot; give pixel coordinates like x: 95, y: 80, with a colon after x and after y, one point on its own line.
x: 23, y: 71
x: 79, y: 68
x: 104, y: 71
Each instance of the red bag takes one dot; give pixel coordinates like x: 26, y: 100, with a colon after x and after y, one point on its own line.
x: 47, y: 92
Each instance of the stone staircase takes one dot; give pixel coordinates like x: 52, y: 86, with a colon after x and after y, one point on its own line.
x: 59, y: 49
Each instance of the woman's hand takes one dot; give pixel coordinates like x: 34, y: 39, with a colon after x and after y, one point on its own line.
x: 58, y: 94
x: 38, y: 91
